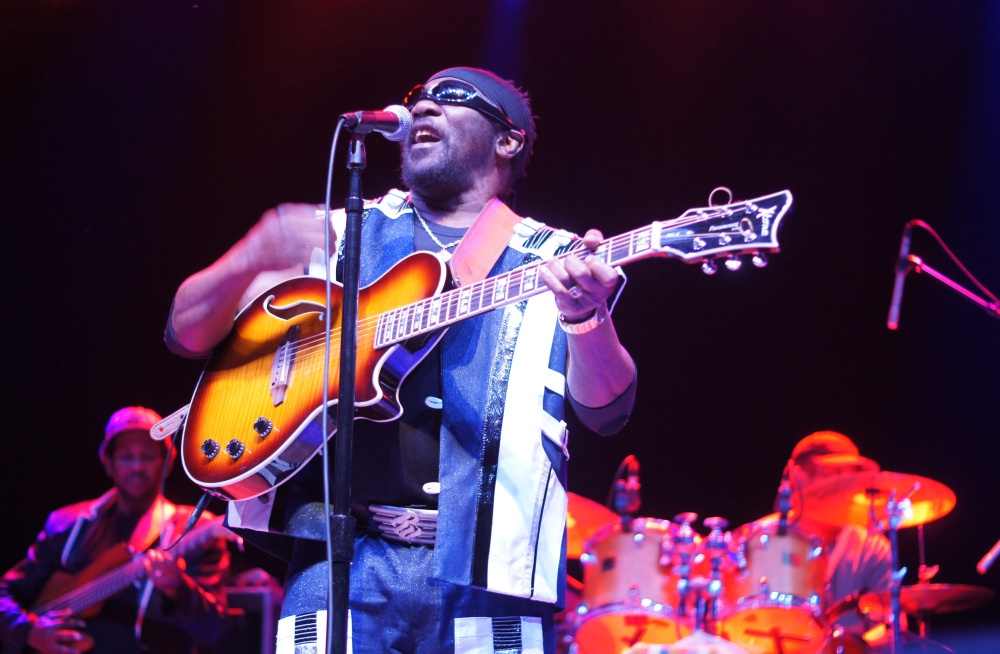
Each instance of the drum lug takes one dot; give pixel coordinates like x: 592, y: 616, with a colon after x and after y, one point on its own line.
x: 666, y: 550
x: 638, y: 538
x: 815, y: 552
x: 763, y: 588
x: 764, y: 541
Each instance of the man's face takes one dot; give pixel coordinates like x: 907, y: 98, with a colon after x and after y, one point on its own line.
x: 136, y: 466
x: 813, y: 470
x: 449, y: 147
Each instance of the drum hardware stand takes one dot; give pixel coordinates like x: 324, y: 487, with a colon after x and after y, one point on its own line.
x: 684, y: 547
x: 924, y: 575
x: 894, y: 516
x: 716, y: 544
x: 706, y: 592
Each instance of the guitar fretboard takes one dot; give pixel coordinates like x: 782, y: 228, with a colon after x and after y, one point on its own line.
x: 111, y: 583
x: 519, y: 284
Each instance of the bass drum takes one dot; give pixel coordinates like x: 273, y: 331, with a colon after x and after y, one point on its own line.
x: 780, y: 592
x: 626, y: 591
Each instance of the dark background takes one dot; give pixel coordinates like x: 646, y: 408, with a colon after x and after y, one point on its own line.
x: 141, y: 139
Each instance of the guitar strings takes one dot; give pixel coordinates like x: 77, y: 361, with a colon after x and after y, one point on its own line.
x: 95, y: 590
x: 305, y: 348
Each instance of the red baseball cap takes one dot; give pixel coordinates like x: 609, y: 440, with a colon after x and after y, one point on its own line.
x: 131, y: 418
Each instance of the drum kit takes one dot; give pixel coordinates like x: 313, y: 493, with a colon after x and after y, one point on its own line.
x: 652, y: 585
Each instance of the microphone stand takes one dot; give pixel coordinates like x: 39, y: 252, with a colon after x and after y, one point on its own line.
x: 917, y: 265
x: 894, y: 517
x: 785, y: 500
x: 341, y: 522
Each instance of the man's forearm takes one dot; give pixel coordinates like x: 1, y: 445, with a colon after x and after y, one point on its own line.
x: 600, y: 368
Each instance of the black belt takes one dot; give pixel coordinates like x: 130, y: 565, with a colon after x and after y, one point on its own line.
x: 404, y: 525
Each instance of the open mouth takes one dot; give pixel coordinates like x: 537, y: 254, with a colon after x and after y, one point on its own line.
x: 425, y: 135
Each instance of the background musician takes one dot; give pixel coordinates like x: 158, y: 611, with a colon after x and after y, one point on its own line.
x: 173, y: 608
x: 860, y: 559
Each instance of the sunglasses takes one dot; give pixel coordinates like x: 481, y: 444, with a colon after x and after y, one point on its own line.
x: 457, y: 92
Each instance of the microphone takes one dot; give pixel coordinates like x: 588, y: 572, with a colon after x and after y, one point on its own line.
x: 393, y: 122
x: 632, y: 487
x: 902, y: 268
x: 785, y: 498
x: 991, y: 556
x: 627, y: 498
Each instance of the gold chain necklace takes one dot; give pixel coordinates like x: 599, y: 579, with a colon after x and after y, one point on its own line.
x: 444, y: 246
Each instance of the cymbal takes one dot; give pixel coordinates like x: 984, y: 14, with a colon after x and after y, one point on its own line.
x: 583, y: 518
x: 927, y: 599
x: 849, y: 499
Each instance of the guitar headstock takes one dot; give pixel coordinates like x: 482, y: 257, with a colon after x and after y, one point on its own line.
x: 726, y: 231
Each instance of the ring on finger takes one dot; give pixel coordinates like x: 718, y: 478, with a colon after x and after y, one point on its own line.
x: 575, y: 292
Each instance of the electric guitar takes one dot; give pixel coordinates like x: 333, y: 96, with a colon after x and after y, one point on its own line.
x: 254, y: 419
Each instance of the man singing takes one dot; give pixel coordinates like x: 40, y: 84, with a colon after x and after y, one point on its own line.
x: 478, y: 458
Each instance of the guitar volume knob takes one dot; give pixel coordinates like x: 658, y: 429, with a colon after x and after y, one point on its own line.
x: 210, y: 448
x: 262, y: 426
x: 235, y: 448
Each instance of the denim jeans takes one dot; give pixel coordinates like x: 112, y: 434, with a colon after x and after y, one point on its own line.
x: 397, y: 606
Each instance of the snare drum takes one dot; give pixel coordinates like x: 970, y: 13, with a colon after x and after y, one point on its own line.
x: 780, y: 592
x: 626, y: 592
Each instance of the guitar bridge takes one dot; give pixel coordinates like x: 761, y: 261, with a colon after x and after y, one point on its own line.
x: 281, y: 366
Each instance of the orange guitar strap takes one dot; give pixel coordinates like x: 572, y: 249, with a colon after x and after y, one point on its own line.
x: 483, y: 244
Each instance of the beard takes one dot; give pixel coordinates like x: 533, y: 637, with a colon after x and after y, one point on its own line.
x: 450, y: 168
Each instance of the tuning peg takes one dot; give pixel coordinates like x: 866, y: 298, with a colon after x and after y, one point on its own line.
x: 708, y: 267
x: 733, y: 263
x: 759, y: 259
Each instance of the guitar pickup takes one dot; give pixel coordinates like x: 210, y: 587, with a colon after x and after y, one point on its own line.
x: 281, y: 366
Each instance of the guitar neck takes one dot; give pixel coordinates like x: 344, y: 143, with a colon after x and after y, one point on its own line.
x: 700, y: 234
x: 492, y: 293
x: 111, y: 583
x: 97, y: 590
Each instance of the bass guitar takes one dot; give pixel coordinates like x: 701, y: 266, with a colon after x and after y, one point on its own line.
x: 111, y: 573
x: 254, y: 420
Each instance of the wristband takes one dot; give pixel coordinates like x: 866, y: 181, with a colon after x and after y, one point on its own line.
x: 599, y: 315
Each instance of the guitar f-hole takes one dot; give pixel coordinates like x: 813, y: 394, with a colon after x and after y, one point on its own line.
x: 293, y: 310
